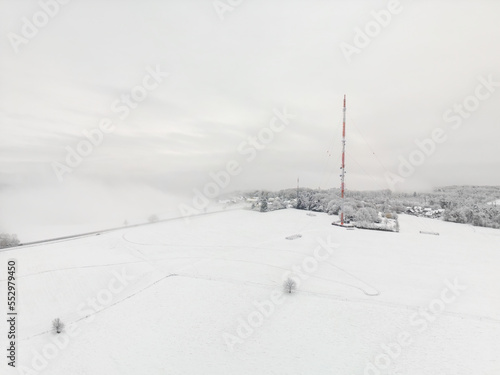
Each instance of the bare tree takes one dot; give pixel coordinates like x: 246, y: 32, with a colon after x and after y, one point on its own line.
x: 289, y: 285
x: 57, y: 325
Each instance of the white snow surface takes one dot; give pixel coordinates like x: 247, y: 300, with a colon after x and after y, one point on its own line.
x: 195, y: 282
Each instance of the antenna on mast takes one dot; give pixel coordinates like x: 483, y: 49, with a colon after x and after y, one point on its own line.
x: 342, y: 184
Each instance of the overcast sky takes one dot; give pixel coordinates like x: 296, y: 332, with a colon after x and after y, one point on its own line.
x: 230, y: 68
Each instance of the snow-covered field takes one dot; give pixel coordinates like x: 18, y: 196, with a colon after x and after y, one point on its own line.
x: 205, y: 297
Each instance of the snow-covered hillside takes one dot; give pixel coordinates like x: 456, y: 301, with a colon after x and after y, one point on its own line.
x: 205, y: 297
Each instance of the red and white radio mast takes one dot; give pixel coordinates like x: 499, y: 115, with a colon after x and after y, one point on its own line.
x: 342, y: 184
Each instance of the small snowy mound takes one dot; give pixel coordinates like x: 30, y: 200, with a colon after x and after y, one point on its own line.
x: 426, y: 232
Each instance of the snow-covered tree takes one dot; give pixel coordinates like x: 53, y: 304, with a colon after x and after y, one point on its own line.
x: 368, y: 215
x: 263, y: 203
x: 278, y: 204
x: 333, y: 207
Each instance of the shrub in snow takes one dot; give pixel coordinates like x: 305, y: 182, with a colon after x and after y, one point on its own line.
x: 8, y: 240
x: 153, y: 219
x: 289, y: 285
x: 57, y: 325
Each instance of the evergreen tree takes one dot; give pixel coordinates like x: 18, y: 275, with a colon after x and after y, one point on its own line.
x: 263, y: 205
